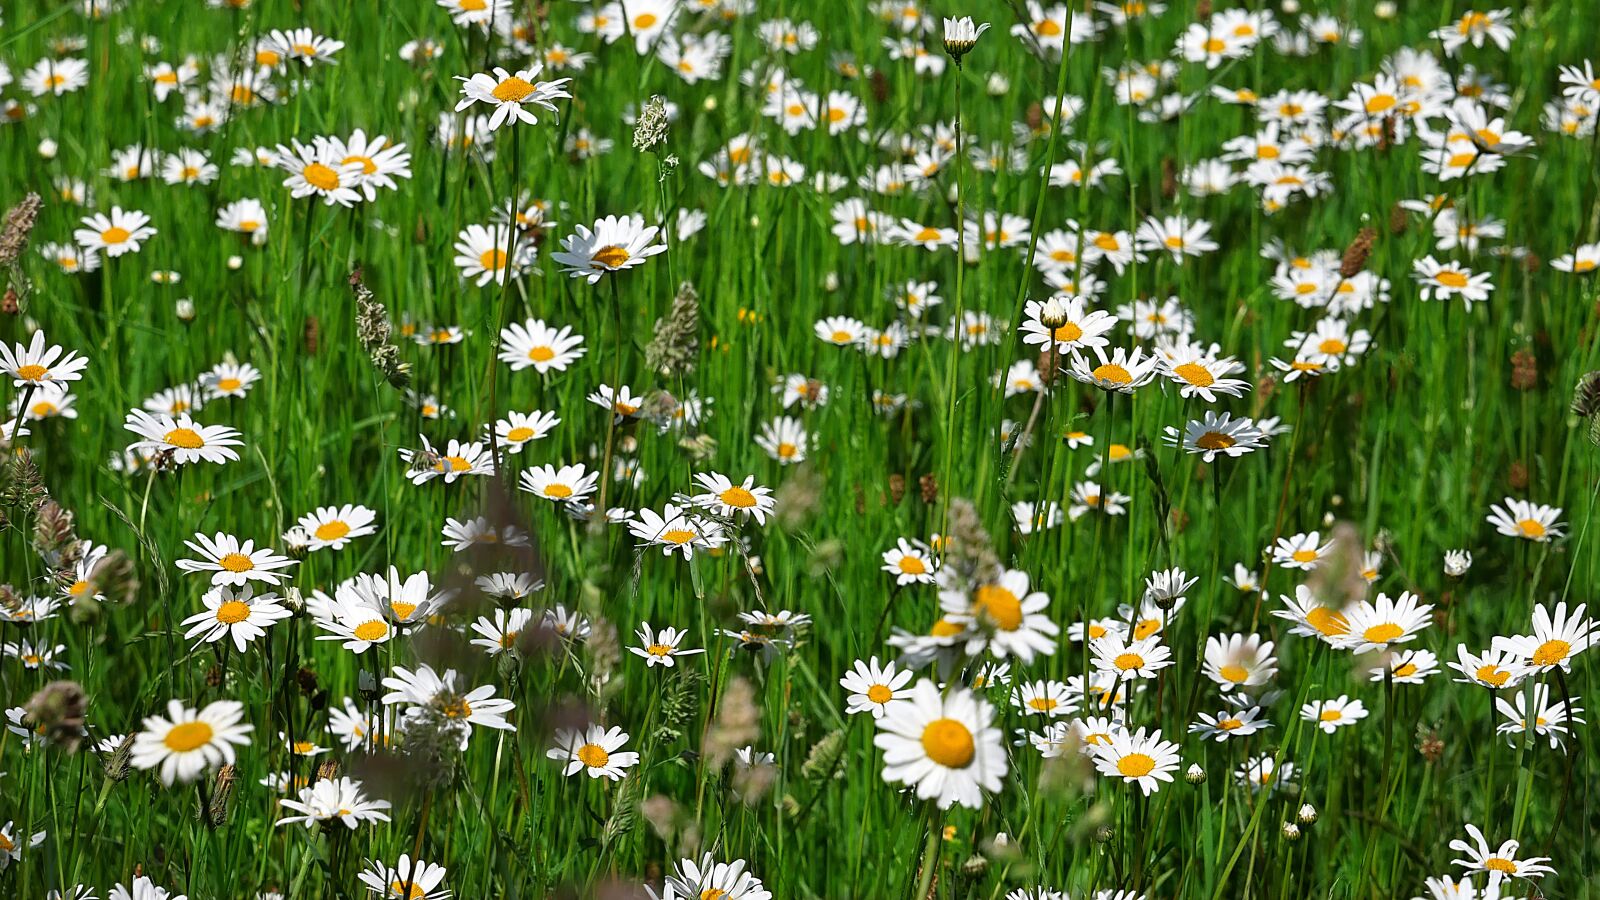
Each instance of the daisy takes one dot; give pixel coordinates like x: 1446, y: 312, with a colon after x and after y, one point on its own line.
x: 1216, y: 433
x: 1088, y: 496
x: 875, y: 688
x: 501, y: 633
x: 1548, y: 719
x: 546, y: 349
x: 943, y: 744
x: 1204, y: 375
x: 727, y: 499
x: 460, y: 458
x: 676, y: 530
x: 1003, y: 617
x: 247, y: 217
x: 660, y: 648
x: 1263, y: 772
x: 594, y: 751
x: 511, y: 95
x: 424, y: 689
x: 840, y: 331
x: 121, y: 232
x: 1405, y: 667
x: 1583, y: 259
x: 36, y: 364
x: 910, y: 562
x: 1529, y: 521
x: 330, y: 800
x: 1374, y: 625
x: 235, y: 613
x: 55, y: 76
x: 711, y: 879
x: 1044, y: 698
x: 71, y: 259
x: 1331, y: 715
x: 1557, y: 638
x: 1442, y: 281
x: 413, y: 880
x: 1174, y: 235
x: 571, y: 483
x: 315, y: 171
x: 485, y: 254
x: 1496, y: 668
x: 333, y: 527
x: 1122, y: 658
x: 1229, y: 724
x: 1123, y: 371
x: 1500, y: 863
x: 186, y: 742
x: 614, y: 244
x: 1072, y: 324
x: 232, y: 563
x: 1300, y: 551
x: 1239, y: 661
x: 784, y: 439
x: 1138, y: 757
x: 1474, y: 28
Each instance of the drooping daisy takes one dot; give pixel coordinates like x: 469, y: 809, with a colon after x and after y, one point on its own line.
x: 943, y: 744
x: 593, y: 750
x: 1529, y: 521
x: 333, y: 527
x: 1140, y: 757
x: 187, y: 742
x: 873, y: 688
x: 614, y: 244
x: 1544, y: 719
x: 237, y: 613
x: 234, y: 563
x: 1331, y: 715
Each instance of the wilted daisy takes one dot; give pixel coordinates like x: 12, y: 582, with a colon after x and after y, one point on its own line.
x: 187, y: 742
x: 234, y: 563
x: 660, y: 648
x: 237, y: 613
x: 594, y: 750
x: 1331, y: 715
x: 1140, y: 757
x: 614, y: 244
x: 1529, y: 521
x: 943, y: 744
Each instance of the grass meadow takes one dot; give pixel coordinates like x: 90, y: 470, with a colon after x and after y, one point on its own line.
x: 732, y: 449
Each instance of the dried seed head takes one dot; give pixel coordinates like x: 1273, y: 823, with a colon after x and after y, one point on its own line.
x: 1524, y: 371
x: 58, y: 712
x: 929, y: 487
x: 738, y: 724
x: 1355, y: 255
x: 897, y: 488
x: 18, y: 224
x: 1398, y: 220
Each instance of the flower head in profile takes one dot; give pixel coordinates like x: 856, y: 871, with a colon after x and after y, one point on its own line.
x: 960, y: 36
x: 614, y: 243
x: 513, y: 96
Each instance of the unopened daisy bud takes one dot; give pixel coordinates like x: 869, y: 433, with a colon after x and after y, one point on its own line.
x: 974, y: 866
x: 47, y: 149
x: 710, y: 104
x: 1384, y: 10
x: 184, y: 309
x: 1104, y: 834
x: 1194, y: 774
x: 1307, y: 814
x: 997, y: 85
x: 972, y: 255
x: 1291, y: 831
x: 830, y: 282
x: 1054, y: 313
x: 235, y: 263
x: 1457, y: 562
x: 960, y: 36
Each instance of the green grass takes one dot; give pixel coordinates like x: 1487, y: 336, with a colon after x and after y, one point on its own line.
x: 1409, y: 447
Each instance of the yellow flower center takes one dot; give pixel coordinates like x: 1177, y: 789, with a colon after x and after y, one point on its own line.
x: 1047, y: 28
x: 1215, y: 45
x: 1235, y: 673
x: 1492, y: 676
x: 786, y: 450
x: 945, y: 628
x: 367, y: 165
x: 1043, y: 704
x: 910, y: 565
x: 738, y: 496
x: 401, y: 609
x: 520, y: 434
x: 678, y: 536
x: 1551, y: 652
x: 493, y: 259
x: 1127, y: 662
x: 1112, y: 373
x: 512, y: 90
x: 236, y: 562
x: 1406, y: 670
x: 1500, y: 864
x: 880, y: 693
x: 1214, y: 440
x: 1229, y: 724
x: 948, y: 743
x: 1136, y: 765
x: 1382, y: 634
x: 1195, y: 374
x: 233, y: 612
x: 1331, y: 715
x: 397, y: 888
x: 1067, y: 332
x: 331, y: 531
x: 321, y: 177
x: 557, y: 491
x: 841, y: 337
x: 1327, y: 621
x: 593, y: 755
x: 370, y: 631
x: 610, y: 257
x: 999, y: 605
x: 1532, y: 528
x: 188, y: 737
x: 1145, y: 628
x: 541, y: 354
x: 32, y: 372
x: 1304, y: 556
x: 1451, y: 279
x: 1381, y: 103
